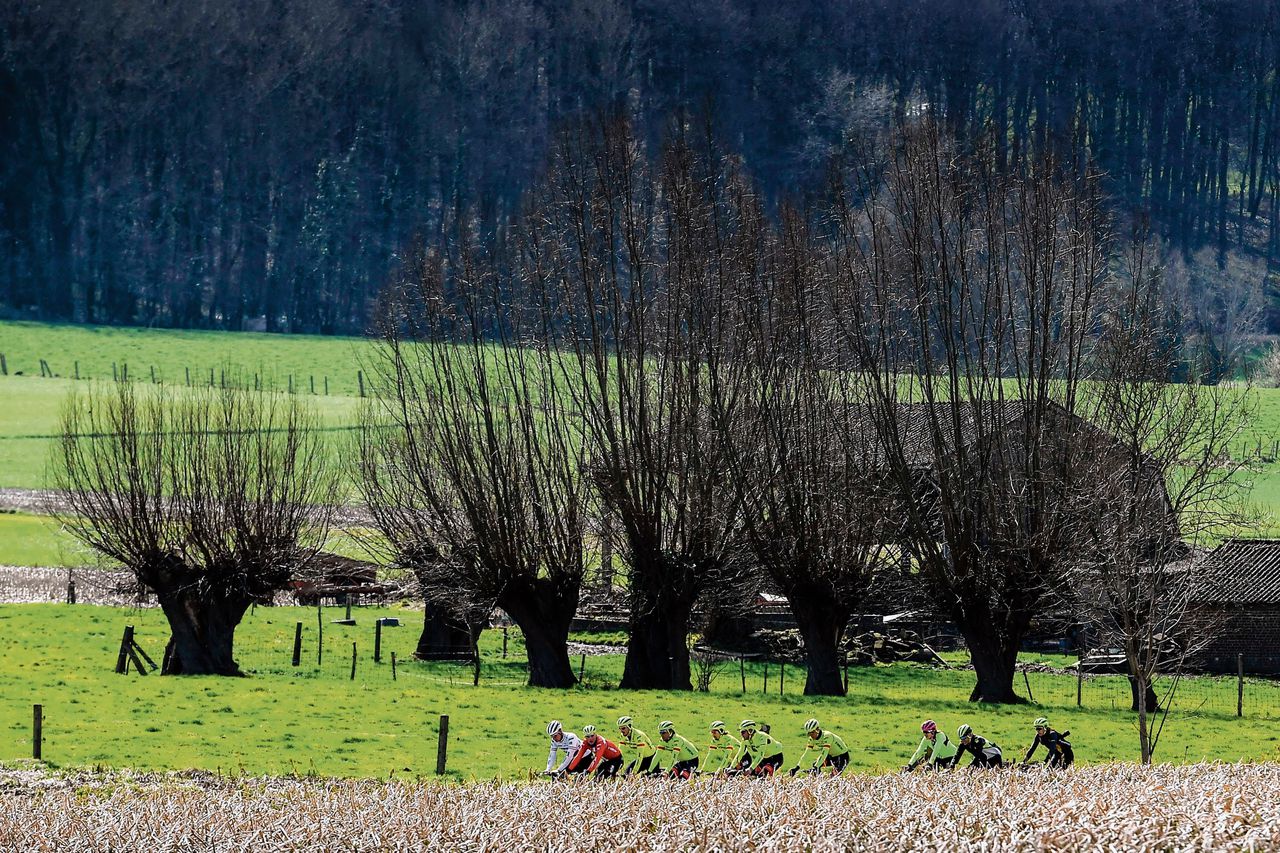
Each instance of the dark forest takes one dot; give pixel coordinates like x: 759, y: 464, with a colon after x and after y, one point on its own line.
x: 266, y: 165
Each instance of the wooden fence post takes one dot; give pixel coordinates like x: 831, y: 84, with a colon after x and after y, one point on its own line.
x: 1079, y: 681
x: 377, y: 641
x: 77, y: 366
x: 742, y: 670
x: 4, y: 366
x: 846, y: 675
x: 297, y: 644
x: 1027, y: 681
x: 320, y: 636
x: 782, y: 676
x: 353, y: 660
x: 126, y: 642
x: 71, y: 592
x: 326, y: 386
x: 764, y: 685
x: 504, y: 642
x: 1239, y: 685
x: 360, y: 380
x: 186, y: 372
x: 393, y: 666
x: 37, y: 730
x: 442, y: 745
x: 582, y: 667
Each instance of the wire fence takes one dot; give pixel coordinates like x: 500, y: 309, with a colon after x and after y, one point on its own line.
x: 330, y: 649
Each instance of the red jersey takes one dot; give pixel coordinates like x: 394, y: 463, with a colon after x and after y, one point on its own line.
x: 602, y: 748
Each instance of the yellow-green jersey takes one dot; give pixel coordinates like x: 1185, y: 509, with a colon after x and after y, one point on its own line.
x: 637, y: 743
x: 720, y: 753
x: 757, y: 749
x: 680, y: 747
x: 939, y: 749
x: 827, y: 745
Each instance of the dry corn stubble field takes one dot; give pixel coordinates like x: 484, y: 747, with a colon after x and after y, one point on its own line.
x: 1116, y: 807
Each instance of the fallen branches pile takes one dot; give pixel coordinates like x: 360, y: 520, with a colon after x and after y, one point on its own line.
x: 1218, y: 806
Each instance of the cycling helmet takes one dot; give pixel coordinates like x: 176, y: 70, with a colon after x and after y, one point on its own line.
x: 624, y: 721
x: 1041, y: 723
x: 811, y: 726
x: 928, y: 726
x: 666, y: 726
x: 554, y: 727
x: 964, y: 731
x: 718, y: 726
x: 588, y: 730
x: 747, y: 725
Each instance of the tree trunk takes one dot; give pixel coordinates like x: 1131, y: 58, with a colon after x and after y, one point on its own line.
x: 202, y: 632
x: 658, y: 648
x: 1144, y: 730
x: 443, y: 635
x: 1135, y: 691
x: 821, y: 624
x: 995, y: 659
x: 543, y: 617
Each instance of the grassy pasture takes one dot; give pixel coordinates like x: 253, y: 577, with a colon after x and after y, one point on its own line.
x: 174, y: 351
x: 314, y: 718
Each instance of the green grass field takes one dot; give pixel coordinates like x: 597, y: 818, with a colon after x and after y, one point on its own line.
x: 316, y: 719
x: 173, y: 352
x: 37, y: 540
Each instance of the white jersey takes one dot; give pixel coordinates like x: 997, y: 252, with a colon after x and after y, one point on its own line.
x: 568, y: 744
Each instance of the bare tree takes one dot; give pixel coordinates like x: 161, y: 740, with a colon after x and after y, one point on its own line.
x: 213, y: 498
x: 815, y: 513
x: 1161, y: 480
x: 633, y: 267
x: 471, y: 463
x: 969, y: 295
x: 1217, y: 301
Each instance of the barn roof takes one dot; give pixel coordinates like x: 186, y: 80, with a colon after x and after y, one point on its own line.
x: 1245, y: 571
x: 916, y: 420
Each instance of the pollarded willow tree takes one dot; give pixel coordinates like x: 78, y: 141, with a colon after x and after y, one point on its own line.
x: 632, y: 263
x: 214, y: 498
x: 815, y: 512
x: 472, y: 463
x: 969, y: 296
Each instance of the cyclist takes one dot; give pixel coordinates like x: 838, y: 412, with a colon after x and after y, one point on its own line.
x: 935, y: 748
x: 721, y: 750
x: 761, y: 754
x: 637, y: 742
x: 684, y: 755
x: 1057, y: 745
x: 830, y: 748
x: 597, y: 756
x: 561, y: 741
x: 984, y: 752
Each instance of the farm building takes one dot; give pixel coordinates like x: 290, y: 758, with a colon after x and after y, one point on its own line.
x: 339, y: 579
x: 1241, y: 607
